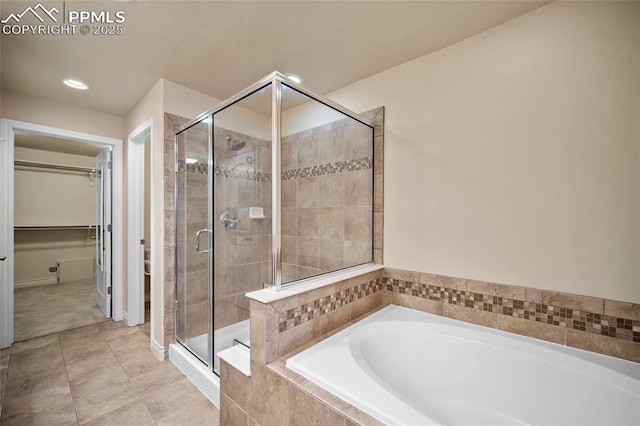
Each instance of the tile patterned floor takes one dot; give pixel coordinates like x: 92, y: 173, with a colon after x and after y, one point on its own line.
x: 101, y: 374
x: 48, y: 309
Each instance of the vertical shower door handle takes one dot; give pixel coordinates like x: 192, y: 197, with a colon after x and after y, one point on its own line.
x: 198, y: 241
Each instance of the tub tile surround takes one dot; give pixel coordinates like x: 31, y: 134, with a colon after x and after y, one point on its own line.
x: 493, y: 305
x: 279, y: 327
x: 272, y: 396
x: 288, y: 326
x: 535, y: 313
x: 293, y: 399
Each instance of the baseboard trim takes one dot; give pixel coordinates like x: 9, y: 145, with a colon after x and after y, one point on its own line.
x: 157, y: 350
x: 125, y: 318
x: 35, y: 283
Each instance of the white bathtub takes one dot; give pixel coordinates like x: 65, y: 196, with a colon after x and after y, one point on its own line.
x: 406, y: 367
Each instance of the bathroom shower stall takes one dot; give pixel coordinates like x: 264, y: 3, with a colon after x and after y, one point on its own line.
x: 273, y: 186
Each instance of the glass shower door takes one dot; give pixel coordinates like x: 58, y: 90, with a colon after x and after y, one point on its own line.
x: 194, y: 240
x: 241, y: 214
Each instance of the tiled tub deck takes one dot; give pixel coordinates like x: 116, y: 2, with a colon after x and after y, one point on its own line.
x: 285, y: 327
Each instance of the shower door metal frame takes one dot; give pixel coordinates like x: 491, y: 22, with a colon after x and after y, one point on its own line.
x: 209, y: 229
x: 276, y: 79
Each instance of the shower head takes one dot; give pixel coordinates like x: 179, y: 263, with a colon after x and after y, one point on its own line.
x: 234, y: 144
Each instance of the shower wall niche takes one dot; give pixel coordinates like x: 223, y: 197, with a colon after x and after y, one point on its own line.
x: 273, y: 186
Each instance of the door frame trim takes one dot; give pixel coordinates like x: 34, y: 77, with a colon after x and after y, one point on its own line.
x: 135, y: 223
x: 8, y: 128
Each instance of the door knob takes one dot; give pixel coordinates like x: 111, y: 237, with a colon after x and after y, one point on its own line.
x: 3, y: 258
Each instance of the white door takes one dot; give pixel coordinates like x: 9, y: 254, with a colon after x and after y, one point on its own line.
x: 103, y: 232
x: 6, y: 236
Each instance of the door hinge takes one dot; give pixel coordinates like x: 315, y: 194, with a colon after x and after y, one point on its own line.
x: 109, y: 228
x: 142, y: 242
x: 109, y: 165
x: 108, y: 290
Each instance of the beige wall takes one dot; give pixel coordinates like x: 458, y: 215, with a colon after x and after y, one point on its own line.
x: 306, y: 116
x: 185, y: 102
x: 45, y: 197
x: 51, y: 198
x: 36, y: 251
x: 513, y: 156
x: 31, y: 154
x: 41, y: 111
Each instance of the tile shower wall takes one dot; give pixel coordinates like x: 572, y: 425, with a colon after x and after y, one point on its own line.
x: 327, y: 199
x: 242, y: 258
x: 171, y: 124
x: 242, y: 253
x: 192, y: 205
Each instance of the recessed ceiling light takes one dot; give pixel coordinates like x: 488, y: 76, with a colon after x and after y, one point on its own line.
x: 75, y: 84
x: 295, y: 78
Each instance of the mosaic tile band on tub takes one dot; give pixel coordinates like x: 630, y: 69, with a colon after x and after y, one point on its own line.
x: 450, y: 291
x: 314, y: 309
x: 595, y: 323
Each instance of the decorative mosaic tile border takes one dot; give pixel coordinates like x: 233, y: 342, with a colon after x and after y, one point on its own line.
x: 242, y: 174
x: 201, y: 169
x: 308, y: 311
x: 599, y: 324
x: 313, y: 171
x: 605, y: 325
x: 329, y: 168
x: 197, y: 168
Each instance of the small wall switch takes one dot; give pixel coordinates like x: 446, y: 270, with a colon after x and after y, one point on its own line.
x: 256, y: 213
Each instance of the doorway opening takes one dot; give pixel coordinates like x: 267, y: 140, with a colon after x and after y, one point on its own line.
x: 57, y: 230
x: 59, y: 246
x: 139, y: 159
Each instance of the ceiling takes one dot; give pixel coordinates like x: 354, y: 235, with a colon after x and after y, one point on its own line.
x: 218, y: 48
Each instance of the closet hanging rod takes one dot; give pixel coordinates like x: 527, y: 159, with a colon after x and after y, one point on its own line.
x: 37, y: 164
